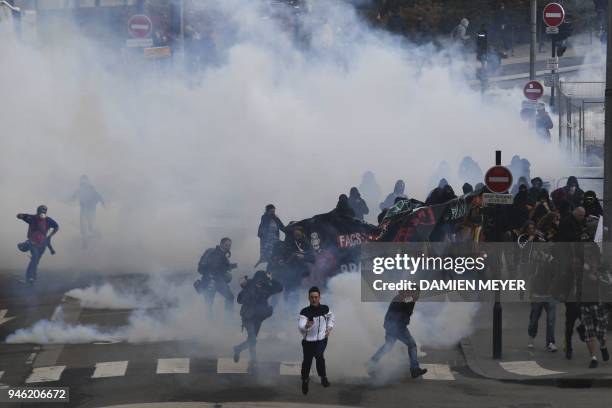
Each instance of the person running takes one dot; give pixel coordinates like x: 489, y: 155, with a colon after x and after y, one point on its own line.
x: 396, y: 324
x: 215, y: 267
x: 315, y: 323
x: 255, y: 309
x: 40, y: 230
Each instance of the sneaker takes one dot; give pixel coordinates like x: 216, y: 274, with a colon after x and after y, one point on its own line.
x: 252, y: 368
x: 236, y: 355
x: 531, y: 342
x: 417, y: 372
x: 304, y: 387
x: 594, y: 363
x: 580, y: 330
x: 551, y: 347
x: 325, y: 382
x: 371, y: 368
x: 31, y: 282
x: 605, y: 356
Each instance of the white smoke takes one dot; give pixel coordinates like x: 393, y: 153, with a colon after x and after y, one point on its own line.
x: 106, y: 297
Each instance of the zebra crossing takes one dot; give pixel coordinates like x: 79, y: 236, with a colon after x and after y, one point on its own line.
x: 184, y: 366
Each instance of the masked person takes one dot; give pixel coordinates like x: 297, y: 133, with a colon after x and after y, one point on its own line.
x: 40, y: 230
x: 573, y: 192
x: 315, y: 323
x: 396, y: 324
x: 255, y: 309
x: 358, y: 204
x: 215, y: 267
x: 591, y: 204
x: 398, y: 191
x: 268, y: 233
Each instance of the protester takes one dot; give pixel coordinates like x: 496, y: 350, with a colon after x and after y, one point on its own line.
x: 396, y: 324
x: 358, y: 204
x: 470, y: 171
x: 536, y: 187
x: 591, y: 204
x: 573, y: 193
x: 369, y: 188
x: 459, y: 34
x: 467, y: 188
x: 268, y: 233
x: 254, y: 310
x: 543, y: 123
x: 40, y: 230
x: 88, y: 199
x: 315, y: 323
x: 502, y: 30
x: 398, y: 191
x: 215, y: 267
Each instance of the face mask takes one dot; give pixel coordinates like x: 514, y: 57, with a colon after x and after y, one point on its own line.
x: 43, y: 215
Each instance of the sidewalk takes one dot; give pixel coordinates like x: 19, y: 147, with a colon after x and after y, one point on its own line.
x: 537, y: 365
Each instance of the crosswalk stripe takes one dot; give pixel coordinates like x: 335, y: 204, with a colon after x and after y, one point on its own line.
x: 438, y: 372
x: 290, y: 368
x: 110, y: 369
x: 172, y: 366
x: 45, y: 374
x: 530, y: 368
x: 227, y: 366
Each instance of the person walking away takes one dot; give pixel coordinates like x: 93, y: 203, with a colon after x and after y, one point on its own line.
x: 268, y: 233
x: 40, y: 230
x: 215, y: 267
x: 543, y: 123
x: 396, y: 324
x: 315, y: 324
x: 254, y: 310
x: 502, y: 31
x: 358, y: 204
x: 369, y: 188
x: 459, y: 35
x: 88, y: 198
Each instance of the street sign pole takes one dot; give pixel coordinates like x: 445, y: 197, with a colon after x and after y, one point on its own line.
x: 532, y: 45
x: 607, y: 204
x: 497, y: 307
x: 553, y: 71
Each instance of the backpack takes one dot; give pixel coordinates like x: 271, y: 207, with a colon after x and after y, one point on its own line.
x: 203, y: 264
x: 251, y: 309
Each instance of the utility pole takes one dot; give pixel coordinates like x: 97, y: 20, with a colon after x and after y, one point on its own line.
x: 607, y: 205
x: 497, y: 306
x: 532, y: 47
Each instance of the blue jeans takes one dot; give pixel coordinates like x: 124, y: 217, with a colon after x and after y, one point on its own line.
x: 403, y: 335
x: 534, y: 317
x: 36, y: 252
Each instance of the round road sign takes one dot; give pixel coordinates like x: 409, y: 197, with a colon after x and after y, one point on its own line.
x: 533, y: 90
x: 140, y: 26
x: 498, y: 179
x: 553, y: 14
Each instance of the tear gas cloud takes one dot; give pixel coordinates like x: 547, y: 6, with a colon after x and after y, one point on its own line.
x: 182, y: 162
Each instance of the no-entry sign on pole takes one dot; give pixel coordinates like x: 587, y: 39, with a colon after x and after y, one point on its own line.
x: 140, y: 26
x: 553, y: 14
x: 498, y: 179
x: 533, y: 90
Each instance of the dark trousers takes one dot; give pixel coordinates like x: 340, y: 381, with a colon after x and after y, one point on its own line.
x: 403, y: 335
x: 252, y: 327
x: 224, y: 290
x: 36, y: 252
x: 572, y: 313
x: 534, y: 317
x: 313, y: 349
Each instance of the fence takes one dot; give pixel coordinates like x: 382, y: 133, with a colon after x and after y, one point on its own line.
x: 581, y: 121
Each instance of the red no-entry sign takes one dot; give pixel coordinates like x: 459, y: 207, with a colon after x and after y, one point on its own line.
x: 498, y: 179
x: 533, y: 90
x: 140, y: 26
x: 553, y: 14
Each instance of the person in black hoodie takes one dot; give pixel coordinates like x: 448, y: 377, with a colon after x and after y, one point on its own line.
x: 358, y: 204
x: 574, y: 193
x: 268, y: 233
x: 255, y: 309
x: 396, y: 324
x: 591, y: 204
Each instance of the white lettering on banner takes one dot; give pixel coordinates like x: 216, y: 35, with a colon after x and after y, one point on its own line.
x: 351, y: 240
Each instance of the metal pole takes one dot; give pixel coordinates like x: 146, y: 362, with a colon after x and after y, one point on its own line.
x: 607, y: 204
x: 552, y: 74
x: 497, y: 307
x: 532, y: 47
x: 182, y: 11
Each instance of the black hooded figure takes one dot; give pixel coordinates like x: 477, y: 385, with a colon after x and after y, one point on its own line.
x: 467, y: 188
x: 343, y: 207
x: 398, y: 191
x: 591, y: 204
x: 255, y: 309
x: 358, y: 204
x: 268, y: 233
x: 574, y: 194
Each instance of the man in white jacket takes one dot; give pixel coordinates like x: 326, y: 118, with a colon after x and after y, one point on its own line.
x: 315, y: 323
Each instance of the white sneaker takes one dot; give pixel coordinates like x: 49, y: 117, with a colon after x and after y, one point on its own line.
x: 551, y: 347
x: 530, y: 344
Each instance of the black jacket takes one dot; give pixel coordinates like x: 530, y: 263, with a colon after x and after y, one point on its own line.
x: 265, y: 221
x: 214, y: 262
x: 254, y: 298
x: 398, y: 314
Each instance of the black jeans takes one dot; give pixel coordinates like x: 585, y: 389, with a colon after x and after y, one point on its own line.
x: 572, y: 313
x: 252, y: 327
x: 313, y: 349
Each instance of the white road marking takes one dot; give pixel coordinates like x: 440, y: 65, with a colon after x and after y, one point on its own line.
x: 438, y: 372
x: 530, y: 368
x: 172, y: 366
x: 2, y: 386
x: 31, y: 358
x: 110, y: 369
x: 45, y: 374
x: 3, y: 319
x: 227, y: 366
